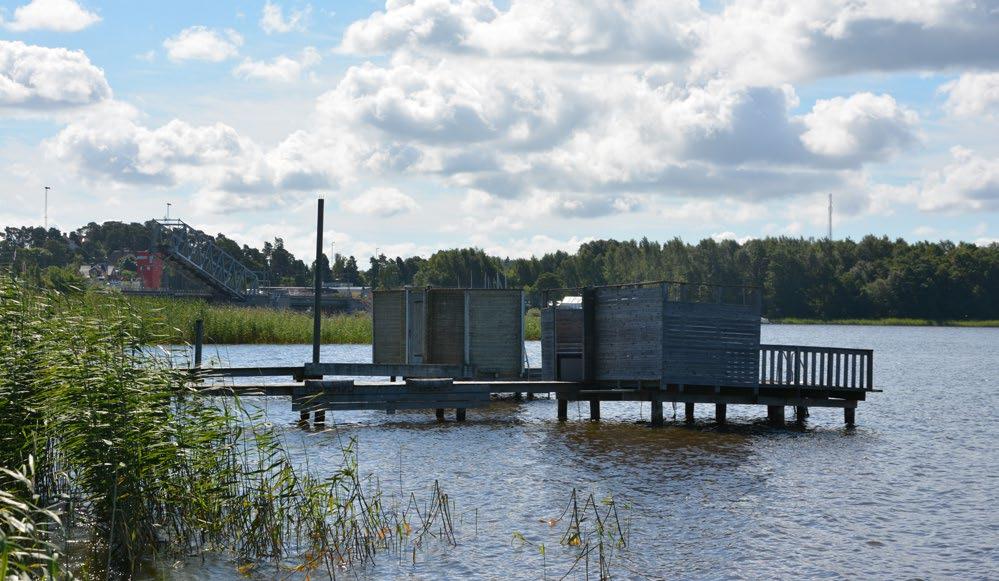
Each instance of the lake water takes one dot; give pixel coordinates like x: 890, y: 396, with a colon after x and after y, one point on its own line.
x: 911, y: 492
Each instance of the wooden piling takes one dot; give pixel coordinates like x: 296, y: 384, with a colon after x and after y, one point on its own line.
x: 459, y: 414
x: 319, y: 419
x: 594, y: 409
x: 657, y: 412
x: 720, y: 411
x: 199, y: 339
x: 440, y: 414
x: 303, y: 419
x: 563, y: 409
x: 800, y: 413
x: 688, y: 412
x: 775, y: 414
x: 317, y: 303
x: 849, y: 416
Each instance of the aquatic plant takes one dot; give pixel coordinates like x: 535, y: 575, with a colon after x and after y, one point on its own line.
x: 594, y: 534
x: 144, y: 465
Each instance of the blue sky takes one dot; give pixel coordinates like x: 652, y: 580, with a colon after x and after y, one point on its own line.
x: 520, y: 127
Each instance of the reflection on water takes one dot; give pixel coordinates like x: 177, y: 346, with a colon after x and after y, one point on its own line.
x: 909, y: 493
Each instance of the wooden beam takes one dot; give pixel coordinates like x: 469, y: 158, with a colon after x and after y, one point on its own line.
x: 688, y: 412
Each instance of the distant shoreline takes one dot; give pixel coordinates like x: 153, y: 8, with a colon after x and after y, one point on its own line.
x: 886, y: 322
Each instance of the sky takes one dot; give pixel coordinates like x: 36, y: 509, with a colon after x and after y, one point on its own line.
x: 517, y: 126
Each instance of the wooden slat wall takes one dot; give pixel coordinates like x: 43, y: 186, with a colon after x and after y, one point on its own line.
x: 570, y: 331
x: 388, y: 327
x: 628, y: 333
x: 495, y: 332
x: 445, y: 333
x: 547, y: 343
x: 711, y: 344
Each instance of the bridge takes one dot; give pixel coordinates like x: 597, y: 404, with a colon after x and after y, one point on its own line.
x: 196, y: 253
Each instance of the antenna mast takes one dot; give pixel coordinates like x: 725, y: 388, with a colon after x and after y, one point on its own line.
x: 830, y: 217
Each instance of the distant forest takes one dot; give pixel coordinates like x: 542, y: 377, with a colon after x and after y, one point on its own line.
x: 871, y: 278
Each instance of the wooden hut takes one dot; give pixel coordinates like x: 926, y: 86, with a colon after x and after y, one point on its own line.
x: 479, y: 328
x: 655, y: 334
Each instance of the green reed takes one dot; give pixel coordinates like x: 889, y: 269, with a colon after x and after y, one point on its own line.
x: 229, y: 324
x: 127, y: 454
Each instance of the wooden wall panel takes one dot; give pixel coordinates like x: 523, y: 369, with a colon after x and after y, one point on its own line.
x: 711, y: 344
x: 495, y: 332
x: 417, y: 319
x: 388, y: 327
x: 628, y: 333
x: 445, y: 333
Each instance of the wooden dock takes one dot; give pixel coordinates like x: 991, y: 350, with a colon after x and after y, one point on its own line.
x: 660, y: 342
x: 797, y: 377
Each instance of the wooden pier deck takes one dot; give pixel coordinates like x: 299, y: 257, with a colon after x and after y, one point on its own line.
x: 798, y: 377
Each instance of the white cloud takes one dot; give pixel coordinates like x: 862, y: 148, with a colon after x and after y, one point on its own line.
x: 282, y: 69
x: 610, y: 30
x: 37, y: 77
x: 109, y: 144
x: 204, y: 44
x: 972, y: 94
x: 969, y: 183
x: 537, y: 245
x: 382, y: 202
x: 57, y: 15
x: 272, y: 19
x: 864, y: 126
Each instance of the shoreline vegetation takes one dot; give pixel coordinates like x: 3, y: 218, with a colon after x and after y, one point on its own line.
x: 888, y: 322
x: 230, y: 325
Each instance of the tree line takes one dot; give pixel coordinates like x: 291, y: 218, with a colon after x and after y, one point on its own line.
x: 874, y: 277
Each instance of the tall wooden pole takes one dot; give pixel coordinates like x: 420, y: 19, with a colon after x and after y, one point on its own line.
x: 317, y: 304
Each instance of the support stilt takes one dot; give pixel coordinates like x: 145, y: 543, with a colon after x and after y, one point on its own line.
x: 319, y: 419
x: 657, y: 412
x: 392, y: 378
x: 517, y: 396
x: 849, y: 416
x: 440, y: 414
x: 303, y: 419
x: 720, y: 411
x: 800, y: 413
x: 688, y: 412
x: 594, y: 409
x: 459, y: 414
x: 775, y: 414
x: 563, y: 409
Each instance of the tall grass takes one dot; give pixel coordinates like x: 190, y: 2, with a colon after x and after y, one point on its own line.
x: 228, y: 324
x: 126, y: 454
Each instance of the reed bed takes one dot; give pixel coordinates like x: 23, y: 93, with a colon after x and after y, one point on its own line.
x: 102, y: 442
x: 227, y: 324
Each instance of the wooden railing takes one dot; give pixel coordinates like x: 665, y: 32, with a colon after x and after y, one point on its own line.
x: 824, y: 367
